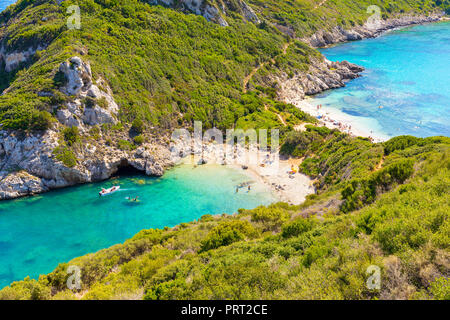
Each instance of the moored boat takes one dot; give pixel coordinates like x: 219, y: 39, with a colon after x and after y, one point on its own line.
x: 111, y: 190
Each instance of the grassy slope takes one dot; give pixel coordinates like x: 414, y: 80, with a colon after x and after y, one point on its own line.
x: 312, y: 251
x: 163, y: 66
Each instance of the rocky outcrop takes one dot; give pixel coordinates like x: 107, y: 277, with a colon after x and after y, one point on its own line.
x: 370, y: 29
x: 28, y: 165
x: 212, y: 10
x: 322, y: 75
x: 90, y: 105
x: 12, y: 60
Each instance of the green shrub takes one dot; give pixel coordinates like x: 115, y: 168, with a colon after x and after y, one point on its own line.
x: 103, y: 103
x: 400, y: 143
x: 66, y: 156
x: 71, y: 135
x: 139, y: 139
x: 29, y: 289
x: 41, y: 120
x: 125, y: 145
x: 95, y: 133
x: 138, y: 125
x: 296, y: 228
x: 440, y: 289
x: 271, y: 217
x: 226, y: 233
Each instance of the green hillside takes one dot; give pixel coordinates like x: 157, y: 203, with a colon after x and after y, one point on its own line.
x: 319, y: 250
x: 164, y: 66
x: 385, y: 204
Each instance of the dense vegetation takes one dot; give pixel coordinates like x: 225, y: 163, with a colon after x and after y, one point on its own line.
x: 376, y: 204
x: 166, y: 67
x: 319, y: 250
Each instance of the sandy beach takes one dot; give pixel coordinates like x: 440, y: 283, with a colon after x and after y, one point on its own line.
x: 336, y: 119
x: 290, y: 188
x: 261, y: 167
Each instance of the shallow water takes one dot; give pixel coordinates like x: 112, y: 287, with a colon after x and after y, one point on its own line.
x: 407, y: 73
x: 37, y: 233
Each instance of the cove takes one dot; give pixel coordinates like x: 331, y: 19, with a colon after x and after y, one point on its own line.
x: 37, y: 233
x: 407, y: 73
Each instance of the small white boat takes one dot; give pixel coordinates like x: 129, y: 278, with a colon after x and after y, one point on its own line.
x: 111, y: 190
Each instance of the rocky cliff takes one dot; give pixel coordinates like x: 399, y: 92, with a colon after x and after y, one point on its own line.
x: 29, y: 165
x: 214, y: 11
x: 322, y: 75
x: 370, y: 29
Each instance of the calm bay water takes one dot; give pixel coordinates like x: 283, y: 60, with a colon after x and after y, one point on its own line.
x: 38, y: 233
x: 407, y: 73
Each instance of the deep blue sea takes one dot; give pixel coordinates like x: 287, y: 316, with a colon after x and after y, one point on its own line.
x: 38, y: 233
x: 407, y: 74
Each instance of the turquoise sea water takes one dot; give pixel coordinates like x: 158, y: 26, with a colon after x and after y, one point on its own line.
x: 39, y: 232
x: 5, y: 3
x: 407, y: 72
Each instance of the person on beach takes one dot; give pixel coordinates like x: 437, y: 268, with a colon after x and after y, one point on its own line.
x: 249, y: 188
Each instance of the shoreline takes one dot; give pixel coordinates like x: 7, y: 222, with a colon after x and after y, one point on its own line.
x: 334, y: 118
x: 338, y: 35
x: 290, y: 190
x: 286, y: 187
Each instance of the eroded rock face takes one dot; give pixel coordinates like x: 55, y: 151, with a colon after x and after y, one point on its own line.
x: 322, y: 75
x: 78, y: 76
x: 28, y: 165
x: 211, y: 10
x: 101, y: 107
x: 13, y: 59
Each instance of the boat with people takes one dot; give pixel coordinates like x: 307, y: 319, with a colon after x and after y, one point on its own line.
x: 111, y: 190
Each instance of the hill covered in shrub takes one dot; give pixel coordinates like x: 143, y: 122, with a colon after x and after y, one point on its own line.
x: 319, y: 250
x: 164, y: 65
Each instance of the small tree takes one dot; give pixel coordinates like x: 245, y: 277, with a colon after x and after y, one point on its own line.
x: 71, y: 135
x: 138, y: 125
